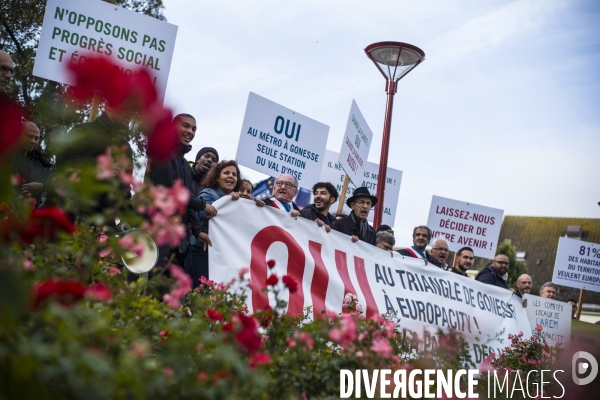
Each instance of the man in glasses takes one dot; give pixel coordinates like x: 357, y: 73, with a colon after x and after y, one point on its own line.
x: 7, y: 70
x: 440, y: 251
x: 421, y: 238
x: 284, y: 190
x: 493, y: 273
x: 356, y: 224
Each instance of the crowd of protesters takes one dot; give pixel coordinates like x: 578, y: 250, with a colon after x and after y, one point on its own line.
x: 209, y: 178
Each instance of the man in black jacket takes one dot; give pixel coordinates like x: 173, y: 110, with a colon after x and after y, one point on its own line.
x: 205, y: 159
x: 29, y: 165
x: 356, y: 224
x: 421, y: 238
x: 493, y: 274
x: 464, y: 262
x: 177, y: 167
x: 325, y: 194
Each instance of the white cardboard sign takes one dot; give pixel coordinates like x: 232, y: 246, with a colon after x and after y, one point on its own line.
x: 72, y: 28
x: 356, y: 144
x: 465, y: 224
x: 554, y: 316
x: 577, y: 264
x: 276, y: 140
x: 333, y: 172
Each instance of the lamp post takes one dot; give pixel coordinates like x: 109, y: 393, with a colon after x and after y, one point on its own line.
x: 394, y: 60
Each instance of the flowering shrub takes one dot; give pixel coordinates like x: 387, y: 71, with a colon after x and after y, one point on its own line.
x: 73, y: 324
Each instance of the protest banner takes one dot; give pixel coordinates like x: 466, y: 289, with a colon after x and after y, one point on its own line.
x: 356, y: 144
x: 465, y: 224
x: 577, y: 264
x: 333, y: 172
x: 327, y: 266
x: 132, y: 40
x: 554, y: 316
x: 276, y: 140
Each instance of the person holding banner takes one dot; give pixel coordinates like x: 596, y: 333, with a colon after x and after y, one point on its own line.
x: 464, y: 262
x: 548, y: 290
x: 284, y: 190
x: 440, y: 251
x: 421, y: 238
x: 523, y: 285
x: 356, y: 224
x: 325, y: 194
x: 493, y: 274
x: 222, y: 180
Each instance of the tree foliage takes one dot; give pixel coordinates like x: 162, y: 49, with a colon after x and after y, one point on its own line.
x: 44, y: 101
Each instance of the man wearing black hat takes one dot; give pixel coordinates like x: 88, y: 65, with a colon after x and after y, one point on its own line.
x: 356, y: 224
x: 205, y: 158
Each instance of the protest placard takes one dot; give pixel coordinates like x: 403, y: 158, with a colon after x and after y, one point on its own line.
x: 333, y: 172
x: 356, y: 144
x: 72, y: 28
x: 276, y: 140
x: 577, y: 264
x: 327, y: 266
x: 465, y: 224
x: 553, y: 316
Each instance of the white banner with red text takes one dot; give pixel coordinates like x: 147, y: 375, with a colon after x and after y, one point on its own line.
x: 327, y: 266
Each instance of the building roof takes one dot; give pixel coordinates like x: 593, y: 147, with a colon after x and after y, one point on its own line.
x: 538, y: 238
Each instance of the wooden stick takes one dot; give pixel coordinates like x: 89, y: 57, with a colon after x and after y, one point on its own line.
x: 579, y: 304
x: 343, y: 195
x: 95, y: 106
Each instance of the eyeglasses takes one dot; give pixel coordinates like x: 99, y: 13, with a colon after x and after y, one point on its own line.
x: 4, y: 70
x: 288, y: 185
x: 501, y: 262
x: 364, y: 203
x: 441, y: 249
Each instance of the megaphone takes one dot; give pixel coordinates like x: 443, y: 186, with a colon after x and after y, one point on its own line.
x: 148, y: 259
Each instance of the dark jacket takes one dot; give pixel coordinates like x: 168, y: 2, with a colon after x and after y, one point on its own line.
x: 32, y: 167
x: 311, y: 212
x: 270, y: 203
x: 490, y: 276
x: 456, y: 271
x: 177, y: 167
x: 197, y: 178
x: 428, y: 257
x: 347, y: 225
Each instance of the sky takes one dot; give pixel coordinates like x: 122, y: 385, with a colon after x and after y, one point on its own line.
x: 504, y: 111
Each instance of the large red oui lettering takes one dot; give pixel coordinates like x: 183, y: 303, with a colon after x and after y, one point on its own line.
x: 295, y: 267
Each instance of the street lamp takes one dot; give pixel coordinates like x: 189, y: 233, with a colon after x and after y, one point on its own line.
x: 394, y: 60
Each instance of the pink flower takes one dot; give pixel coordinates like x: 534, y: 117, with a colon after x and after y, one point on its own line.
x: 114, y: 271
x: 183, y: 285
x: 168, y: 371
x: 538, y: 328
x: 381, y: 346
x: 248, y: 337
x: 306, y: 338
x: 202, y: 376
x: 346, y: 332
x: 98, y: 292
x: 243, y: 271
x: 271, y: 264
x: 104, y: 165
x: 27, y: 264
x: 291, y: 342
x: 128, y: 243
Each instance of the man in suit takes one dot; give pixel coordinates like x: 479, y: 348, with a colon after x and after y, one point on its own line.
x: 356, y: 225
x: 284, y: 190
x: 421, y: 238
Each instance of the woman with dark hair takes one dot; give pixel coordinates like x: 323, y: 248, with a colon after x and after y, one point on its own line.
x: 221, y: 180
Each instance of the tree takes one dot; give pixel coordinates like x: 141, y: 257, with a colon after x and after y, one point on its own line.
x: 516, y: 268
x: 44, y: 101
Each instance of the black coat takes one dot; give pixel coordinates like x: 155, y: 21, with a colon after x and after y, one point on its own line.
x: 177, y: 167
x: 347, y: 226
x: 428, y: 257
x: 490, y: 276
x: 311, y: 212
x: 31, y: 166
